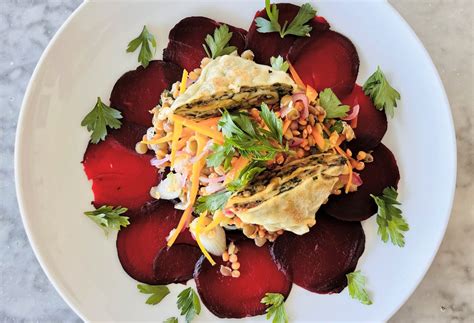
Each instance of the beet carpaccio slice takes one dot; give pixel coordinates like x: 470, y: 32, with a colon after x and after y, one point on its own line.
x: 326, y: 60
x: 371, y: 123
x: 376, y: 176
x: 140, y: 242
x: 128, y: 134
x: 240, y: 297
x: 320, y: 259
x: 266, y: 45
x: 138, y: 91
x: 186, y: 39
x: 176, y: 264
x: 119, y: 175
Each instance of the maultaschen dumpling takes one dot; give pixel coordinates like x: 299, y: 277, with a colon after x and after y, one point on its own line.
x: 288, y: 197
x: 229, y: 82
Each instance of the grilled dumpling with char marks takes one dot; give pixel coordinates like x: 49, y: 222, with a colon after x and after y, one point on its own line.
x: 288, y: 197
x: 229, y: 82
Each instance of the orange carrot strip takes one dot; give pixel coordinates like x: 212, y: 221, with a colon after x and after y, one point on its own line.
x: 296, y: 77
x: 216, y: 135
x: 286, y: 125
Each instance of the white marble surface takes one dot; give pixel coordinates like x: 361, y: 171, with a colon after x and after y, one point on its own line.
x: 445, y: 27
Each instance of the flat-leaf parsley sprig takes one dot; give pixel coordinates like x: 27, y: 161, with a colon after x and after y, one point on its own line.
x: 389, y: 217
x: 109, y: 218
x: 217, y: 45
x: 101, y: 117
x: 189, y: 304
x: 298, y: 26
x: 276, y: 307
x: 382, y: 93
x: 147, y: 43
x: 156, y: 292
x: 356, y: 284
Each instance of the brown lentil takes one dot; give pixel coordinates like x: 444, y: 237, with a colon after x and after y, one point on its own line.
x: 360, y: 166
x: 235, y: 273
x: 235, y: 265
x: 225, y: 256
x: 233, y: 258
x: 296, y: 133
x: 361, y: 155
x: 288, y: 135
x: 300, y: 153
x: 348, y: 152
x: 303, y: 122
x: 294, y: 125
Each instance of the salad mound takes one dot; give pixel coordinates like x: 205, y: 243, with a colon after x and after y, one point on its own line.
x: 245, y: 161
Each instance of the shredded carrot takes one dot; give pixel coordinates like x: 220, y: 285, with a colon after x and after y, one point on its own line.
x: 178, y: 129
x: 311, y: 93
x: 196, y: 171
x: 216, y: 135
x: 182, y: 143
x: 340, y: 140
x: 211, y: 122
x: 166, y: 138
x: 354, y: 123
x: 184, y: 80
x: 296, y: 77
x: 326, y: 130
x: 318, y: 138
x: 237, y: 166
x: 286, y: 125
x: 198, y: 239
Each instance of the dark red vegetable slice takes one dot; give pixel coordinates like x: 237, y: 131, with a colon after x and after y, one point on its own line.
x: 371, y: 123
x: 136, y: 92
x: 119, y: 175
x: 176, y: 264
x: 266, y: 45
x: 187, y: 38
x: 320, y: 259
x: 326, y: 60
x: 240, y: 297
x: 128, y: 134
x: 139, y: 243
x: 376, y: 176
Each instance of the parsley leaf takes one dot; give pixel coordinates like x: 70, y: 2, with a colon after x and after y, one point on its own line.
x: 277, y: 307
x: 109, y: 218
x: 356, y: 285
x: 172, y: 319
x: 212, y: 202
x: 273, y: 122
x: 279, y: 64
x: 221, y: 154
x: 381, y: 92
x: 189, y: 304
x: 99, y: 119
x: 146, y: 41
x: 246, y: 175
x: 337, y: 126
x: 389, y: 217
x: 157, y: 292
x: 329, y: 101
x: 297, y: 26
x: 218, y: 45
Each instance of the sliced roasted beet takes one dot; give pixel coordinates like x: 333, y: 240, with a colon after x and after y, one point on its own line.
x: 119, y: 175
x: 136, y: 92
x: 266, y: 45
x: 176, y: 264
x: 230, y: 297
x: 139, y: 243
x: 320, y: 259
x: 376, y: 176
x: 326, y: 60
x: 187, y: 38
x: 371, y: 123
x: 129, y: 134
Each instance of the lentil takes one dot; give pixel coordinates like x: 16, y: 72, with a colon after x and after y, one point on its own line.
x: 225, y: 271
x: 235, y: 265
x: 141, y: 148
x: 225, y: 256
x: 233, y: 258
x: 235, y: 273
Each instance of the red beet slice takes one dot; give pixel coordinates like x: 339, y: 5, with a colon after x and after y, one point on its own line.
x: 371, y: 123
x: 376, y: 176
x: 187, y: 38
x: 119, y: 175
x: 240, y: 297
x: 176, y: 264
x: 266, y: 45
x: 326, y: 60
x: 320, y: 259
x: 139, y: 243
x: 128, y: 134
x: 136, y: 92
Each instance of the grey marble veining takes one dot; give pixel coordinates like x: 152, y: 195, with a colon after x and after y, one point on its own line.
x: 445, y: 27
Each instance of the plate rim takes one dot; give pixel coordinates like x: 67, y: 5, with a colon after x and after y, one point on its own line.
x: 18, y: 173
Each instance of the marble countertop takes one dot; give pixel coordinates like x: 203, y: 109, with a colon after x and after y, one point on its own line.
x: 446, y: 294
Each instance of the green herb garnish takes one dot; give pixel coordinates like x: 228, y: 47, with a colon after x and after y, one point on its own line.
x: 222, y: 154
x: 146, y: 41
x: 338, y: 127
x: 279, y: 64
x: 382, y: 93
x: 218, y: 45
x: 297, y: 27
x: 246, y: 175
x: 189, y: 304
x: 356, y: 284
x: 389, y: 217
x: 172, y: 319
x: 157, y: 292
x: 99, y: 119
x: 277, y: 307
x: 212, y: 202
x: 109, y: 218
x: 329, y: 101
x: 274, y: 123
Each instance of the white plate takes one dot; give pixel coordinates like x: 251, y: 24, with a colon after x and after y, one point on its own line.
x: 87, y: 56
